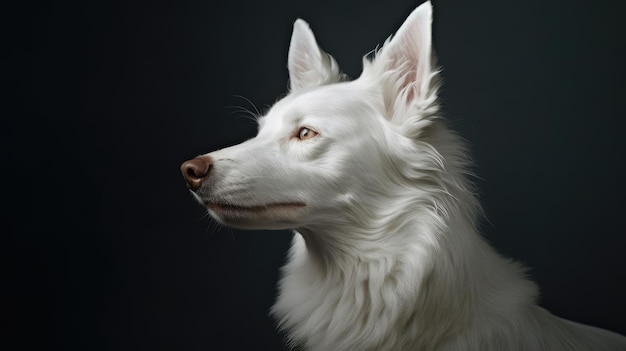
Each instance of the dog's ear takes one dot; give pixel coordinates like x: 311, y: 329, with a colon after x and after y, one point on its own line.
x: 308, y: 65
x: 405, y: 63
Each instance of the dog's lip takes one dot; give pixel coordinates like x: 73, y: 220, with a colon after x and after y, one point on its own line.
x: 234, y: 207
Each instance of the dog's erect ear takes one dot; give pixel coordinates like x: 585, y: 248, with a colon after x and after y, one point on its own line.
x: 406, y: 62
x: 308, y: 65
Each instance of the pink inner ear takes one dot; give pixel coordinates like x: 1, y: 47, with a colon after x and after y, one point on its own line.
x: 406, y: 63
x: 409, y: 52
x: 301, y: 59
x: 409, y: 85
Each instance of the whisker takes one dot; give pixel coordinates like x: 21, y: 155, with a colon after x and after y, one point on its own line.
x: 251, y: 104
x: 243, y: 112
x: 212, y: 227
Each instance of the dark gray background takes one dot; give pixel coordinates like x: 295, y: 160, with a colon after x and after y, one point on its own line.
x: 105, y: 249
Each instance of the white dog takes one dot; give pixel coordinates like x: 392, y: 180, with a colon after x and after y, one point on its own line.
x: 386, y: 254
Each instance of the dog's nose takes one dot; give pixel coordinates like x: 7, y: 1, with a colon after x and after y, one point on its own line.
x: 195, y: 170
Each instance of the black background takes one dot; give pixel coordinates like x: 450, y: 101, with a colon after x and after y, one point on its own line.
x: 106, y: 249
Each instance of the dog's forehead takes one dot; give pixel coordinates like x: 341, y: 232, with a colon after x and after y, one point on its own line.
x: 336, y: 100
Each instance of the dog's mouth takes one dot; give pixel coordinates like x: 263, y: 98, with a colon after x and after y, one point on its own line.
x: 276, y: 215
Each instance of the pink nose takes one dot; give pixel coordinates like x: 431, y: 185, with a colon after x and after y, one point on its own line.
x: 196, y: 170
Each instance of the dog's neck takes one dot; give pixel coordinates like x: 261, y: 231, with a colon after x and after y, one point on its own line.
x: 339, y: 247
x: 402, y: 283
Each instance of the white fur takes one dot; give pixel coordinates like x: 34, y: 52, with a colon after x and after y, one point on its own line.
x: 386, y: 254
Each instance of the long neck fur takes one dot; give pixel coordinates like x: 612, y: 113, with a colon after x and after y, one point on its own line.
x: 431, y: 273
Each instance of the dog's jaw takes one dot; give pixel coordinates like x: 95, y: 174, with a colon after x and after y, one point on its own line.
x: 275, y: 215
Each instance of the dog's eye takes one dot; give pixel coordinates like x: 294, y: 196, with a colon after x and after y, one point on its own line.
x: 306, y: 133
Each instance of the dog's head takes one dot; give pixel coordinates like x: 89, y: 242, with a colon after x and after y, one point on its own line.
x: 330, y: 144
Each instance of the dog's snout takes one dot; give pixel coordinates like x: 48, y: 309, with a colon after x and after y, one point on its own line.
x: 196, y: 170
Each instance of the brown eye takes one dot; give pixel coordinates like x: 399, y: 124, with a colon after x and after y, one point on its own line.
x: 306, y: 133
